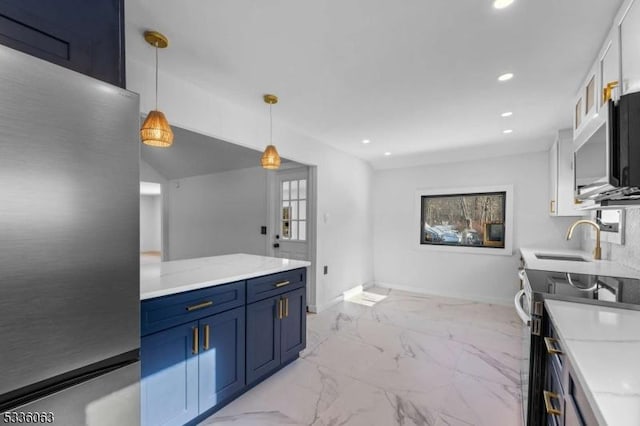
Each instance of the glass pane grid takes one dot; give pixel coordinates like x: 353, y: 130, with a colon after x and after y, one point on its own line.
x: 293, y: 225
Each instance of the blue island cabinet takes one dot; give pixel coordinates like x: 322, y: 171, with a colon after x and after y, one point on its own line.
x: 169, y: 386
x: 190, y: 369
x: 276, y: 326
x: 194, y: 344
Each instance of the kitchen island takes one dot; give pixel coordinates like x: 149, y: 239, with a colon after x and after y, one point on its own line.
x: 214, y: 327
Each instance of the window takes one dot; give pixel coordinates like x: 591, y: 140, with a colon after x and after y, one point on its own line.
x: 293, y: 220
x: 469, y: 219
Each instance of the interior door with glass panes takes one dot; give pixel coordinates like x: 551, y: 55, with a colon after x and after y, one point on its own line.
x: 291, y: 216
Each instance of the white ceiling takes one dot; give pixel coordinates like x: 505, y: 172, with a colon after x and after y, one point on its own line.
x: 414, y: 77
x: 193, y: 154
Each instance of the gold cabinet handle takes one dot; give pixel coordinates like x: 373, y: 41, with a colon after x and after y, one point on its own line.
x: 199, y: 305
x: 282, y: 283
x: 549, y: 342
x: 286, y: 307
x: 552, y: 207
x: 547, y: 403
x: 608, y: 90
x: 279, y: 309
x: 196, y: 343
x: 206, y: 337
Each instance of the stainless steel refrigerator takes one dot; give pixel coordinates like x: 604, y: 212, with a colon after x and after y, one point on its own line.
x: 69, y: 246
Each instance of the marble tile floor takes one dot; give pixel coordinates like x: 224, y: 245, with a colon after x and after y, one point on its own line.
x: 389, y: 357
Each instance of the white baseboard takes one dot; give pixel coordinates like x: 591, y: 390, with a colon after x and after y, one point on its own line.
x: 454, y: 295
x: 332, y: 302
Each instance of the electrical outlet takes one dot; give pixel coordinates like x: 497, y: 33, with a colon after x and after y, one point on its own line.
x: 326, y: 269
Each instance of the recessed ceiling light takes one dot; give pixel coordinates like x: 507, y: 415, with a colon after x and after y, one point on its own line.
x: 501, y: 4
x: 506, y: 76
x: 507, y: 114
x: 366, y: 141
x: 387, y: 153
x: 506, y: 132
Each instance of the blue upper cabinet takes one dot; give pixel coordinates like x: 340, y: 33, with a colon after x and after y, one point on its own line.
x: 169, y: 386
x: 221, y: 360
x: 85, y: 36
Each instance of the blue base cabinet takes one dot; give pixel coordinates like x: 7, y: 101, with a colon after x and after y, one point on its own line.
x: 221, y: 362
x: 276, y: 328
x: 169, y: 387
x: 294, y: 325
x: 263, y: 338
x: 189, y: 369
x: 202, y: 348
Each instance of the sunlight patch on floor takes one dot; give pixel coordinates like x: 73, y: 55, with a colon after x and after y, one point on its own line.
x: 365, y: 298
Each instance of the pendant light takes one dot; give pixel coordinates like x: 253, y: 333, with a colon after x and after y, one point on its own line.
x: 155, y: 130
x: 270, y: 158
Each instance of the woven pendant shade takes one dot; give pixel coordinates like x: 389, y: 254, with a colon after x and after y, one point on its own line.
x: 270, y: 158
x: 155, y: 130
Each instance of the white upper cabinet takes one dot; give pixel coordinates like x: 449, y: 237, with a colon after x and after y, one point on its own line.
x: 609, y: 67
x: 615, y: 71
x: 587, y: 103
x: 629, y: 29
x: 561, y: 199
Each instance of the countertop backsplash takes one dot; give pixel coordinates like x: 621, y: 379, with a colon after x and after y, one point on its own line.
x: 627, y: 254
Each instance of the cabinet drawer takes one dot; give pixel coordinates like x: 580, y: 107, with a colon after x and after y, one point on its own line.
x: 275, y: 284
x: 163, y: 312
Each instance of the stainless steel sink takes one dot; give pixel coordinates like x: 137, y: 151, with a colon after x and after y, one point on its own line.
x: 565, y: 257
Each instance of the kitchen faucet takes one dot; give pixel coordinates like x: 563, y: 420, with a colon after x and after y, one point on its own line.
x: 597, y: 252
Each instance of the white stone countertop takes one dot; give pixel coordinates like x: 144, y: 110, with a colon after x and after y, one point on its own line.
x: 603, y: 345
x: 177, y: 276
x: 591, y: 267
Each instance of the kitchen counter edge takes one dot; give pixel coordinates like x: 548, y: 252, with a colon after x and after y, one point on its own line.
x: 196, y: 284
x: 592, y: 267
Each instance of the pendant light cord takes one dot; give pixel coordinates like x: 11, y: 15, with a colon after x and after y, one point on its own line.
x: 270, y: 124
x: 156, y: 75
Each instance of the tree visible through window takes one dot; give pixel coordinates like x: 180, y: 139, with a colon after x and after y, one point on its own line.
x: 475, y: 220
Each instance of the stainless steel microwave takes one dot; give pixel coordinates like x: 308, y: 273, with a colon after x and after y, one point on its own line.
x: 607, y: 159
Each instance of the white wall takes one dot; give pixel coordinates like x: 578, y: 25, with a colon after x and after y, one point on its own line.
x: 149, y: 174
x: 150, y: 223
x: 400, y: 263
x: 345, y: 239
x: 216, y: 214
